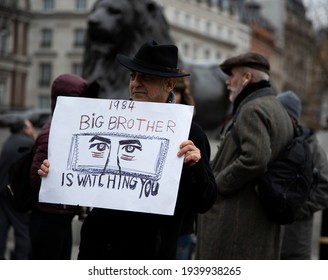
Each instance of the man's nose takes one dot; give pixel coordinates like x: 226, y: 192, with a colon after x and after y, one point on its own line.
x: 135, y: 82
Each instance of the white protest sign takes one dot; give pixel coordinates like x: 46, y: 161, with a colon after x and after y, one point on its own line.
x: 116, y: 154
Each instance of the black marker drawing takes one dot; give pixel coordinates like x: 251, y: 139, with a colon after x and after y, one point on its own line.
x: 119, y: 154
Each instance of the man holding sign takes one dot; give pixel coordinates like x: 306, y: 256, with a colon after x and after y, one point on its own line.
x: 140, y: 234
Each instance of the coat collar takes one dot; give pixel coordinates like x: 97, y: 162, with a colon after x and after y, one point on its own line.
x: 249, y: 90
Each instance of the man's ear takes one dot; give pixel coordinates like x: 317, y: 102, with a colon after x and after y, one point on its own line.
x: 171, y: 84
x: 248, y: 77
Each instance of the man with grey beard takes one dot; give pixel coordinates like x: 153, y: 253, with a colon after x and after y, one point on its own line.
x: 237, y: 226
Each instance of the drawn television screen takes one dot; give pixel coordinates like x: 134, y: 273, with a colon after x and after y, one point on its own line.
x: 118, y: 153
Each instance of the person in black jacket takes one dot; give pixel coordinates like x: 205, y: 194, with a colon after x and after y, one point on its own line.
x: 187, y: 237
x: 20, y: 142
x: 113, y: 234
x: 297, y: 241
x: 51, y: 224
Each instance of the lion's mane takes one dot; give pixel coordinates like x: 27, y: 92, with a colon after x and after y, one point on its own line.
x: 119, y: 27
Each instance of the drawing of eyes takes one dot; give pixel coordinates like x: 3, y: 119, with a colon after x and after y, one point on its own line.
x: 98, y: 149
x: 130, y: 148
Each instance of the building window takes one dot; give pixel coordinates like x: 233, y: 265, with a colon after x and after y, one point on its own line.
x: 208, y: 27
x: 194, y: 52
x: 2, y: 92
x: 224, y: 5
x: 45, y: 74
x: 46, y: 38
x: 177, y: 15
x: 81, y: 5
x: 186, y: 50
x: 3, y: 43
x: 214, y: 3
x: 207, y: 54
x: 77, y: 69
x: 48, y: 5
x: 79, y: 36
x: 219, y: 31
x: 3, y: 38
x: 197, y: 23
x: 230, y: 34
x: 44, y: 101
x: 187, y: 20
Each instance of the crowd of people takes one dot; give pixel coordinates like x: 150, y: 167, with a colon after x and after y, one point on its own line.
x: 20, y: 141
x: 218, y: 213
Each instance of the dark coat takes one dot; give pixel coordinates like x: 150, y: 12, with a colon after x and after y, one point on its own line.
x: 40, y: 154
x: 63, y: 85
x: 112, y: 234
x: 319, y: 197
x: 297, y: 241
x: 237, y: 227
x: 15, y: 147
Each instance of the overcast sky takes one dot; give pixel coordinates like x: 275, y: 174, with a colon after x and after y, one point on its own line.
x: 318, y: 12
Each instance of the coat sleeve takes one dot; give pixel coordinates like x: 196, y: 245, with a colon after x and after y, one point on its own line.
x: 253, y: 129
x: 40, y: 154
x: 197, y: 189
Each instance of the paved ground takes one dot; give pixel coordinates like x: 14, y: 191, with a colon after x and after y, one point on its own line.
x: 77, y: 226
x: 76, y: 240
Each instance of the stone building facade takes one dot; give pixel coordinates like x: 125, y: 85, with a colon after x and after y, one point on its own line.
x: 206, y: 30
x: 56, y: 44
x: 15, y: 20
x: 295, y: 36
x: 40, y: 39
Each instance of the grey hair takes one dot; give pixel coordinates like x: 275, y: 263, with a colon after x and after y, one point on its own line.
x: 258, y: 75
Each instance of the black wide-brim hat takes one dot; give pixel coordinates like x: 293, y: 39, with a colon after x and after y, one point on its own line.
x: 154, y: 59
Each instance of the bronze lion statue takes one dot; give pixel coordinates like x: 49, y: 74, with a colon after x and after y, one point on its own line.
x: 122, y: 27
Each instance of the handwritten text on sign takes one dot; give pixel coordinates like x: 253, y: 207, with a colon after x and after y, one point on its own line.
x: 116, y: 154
